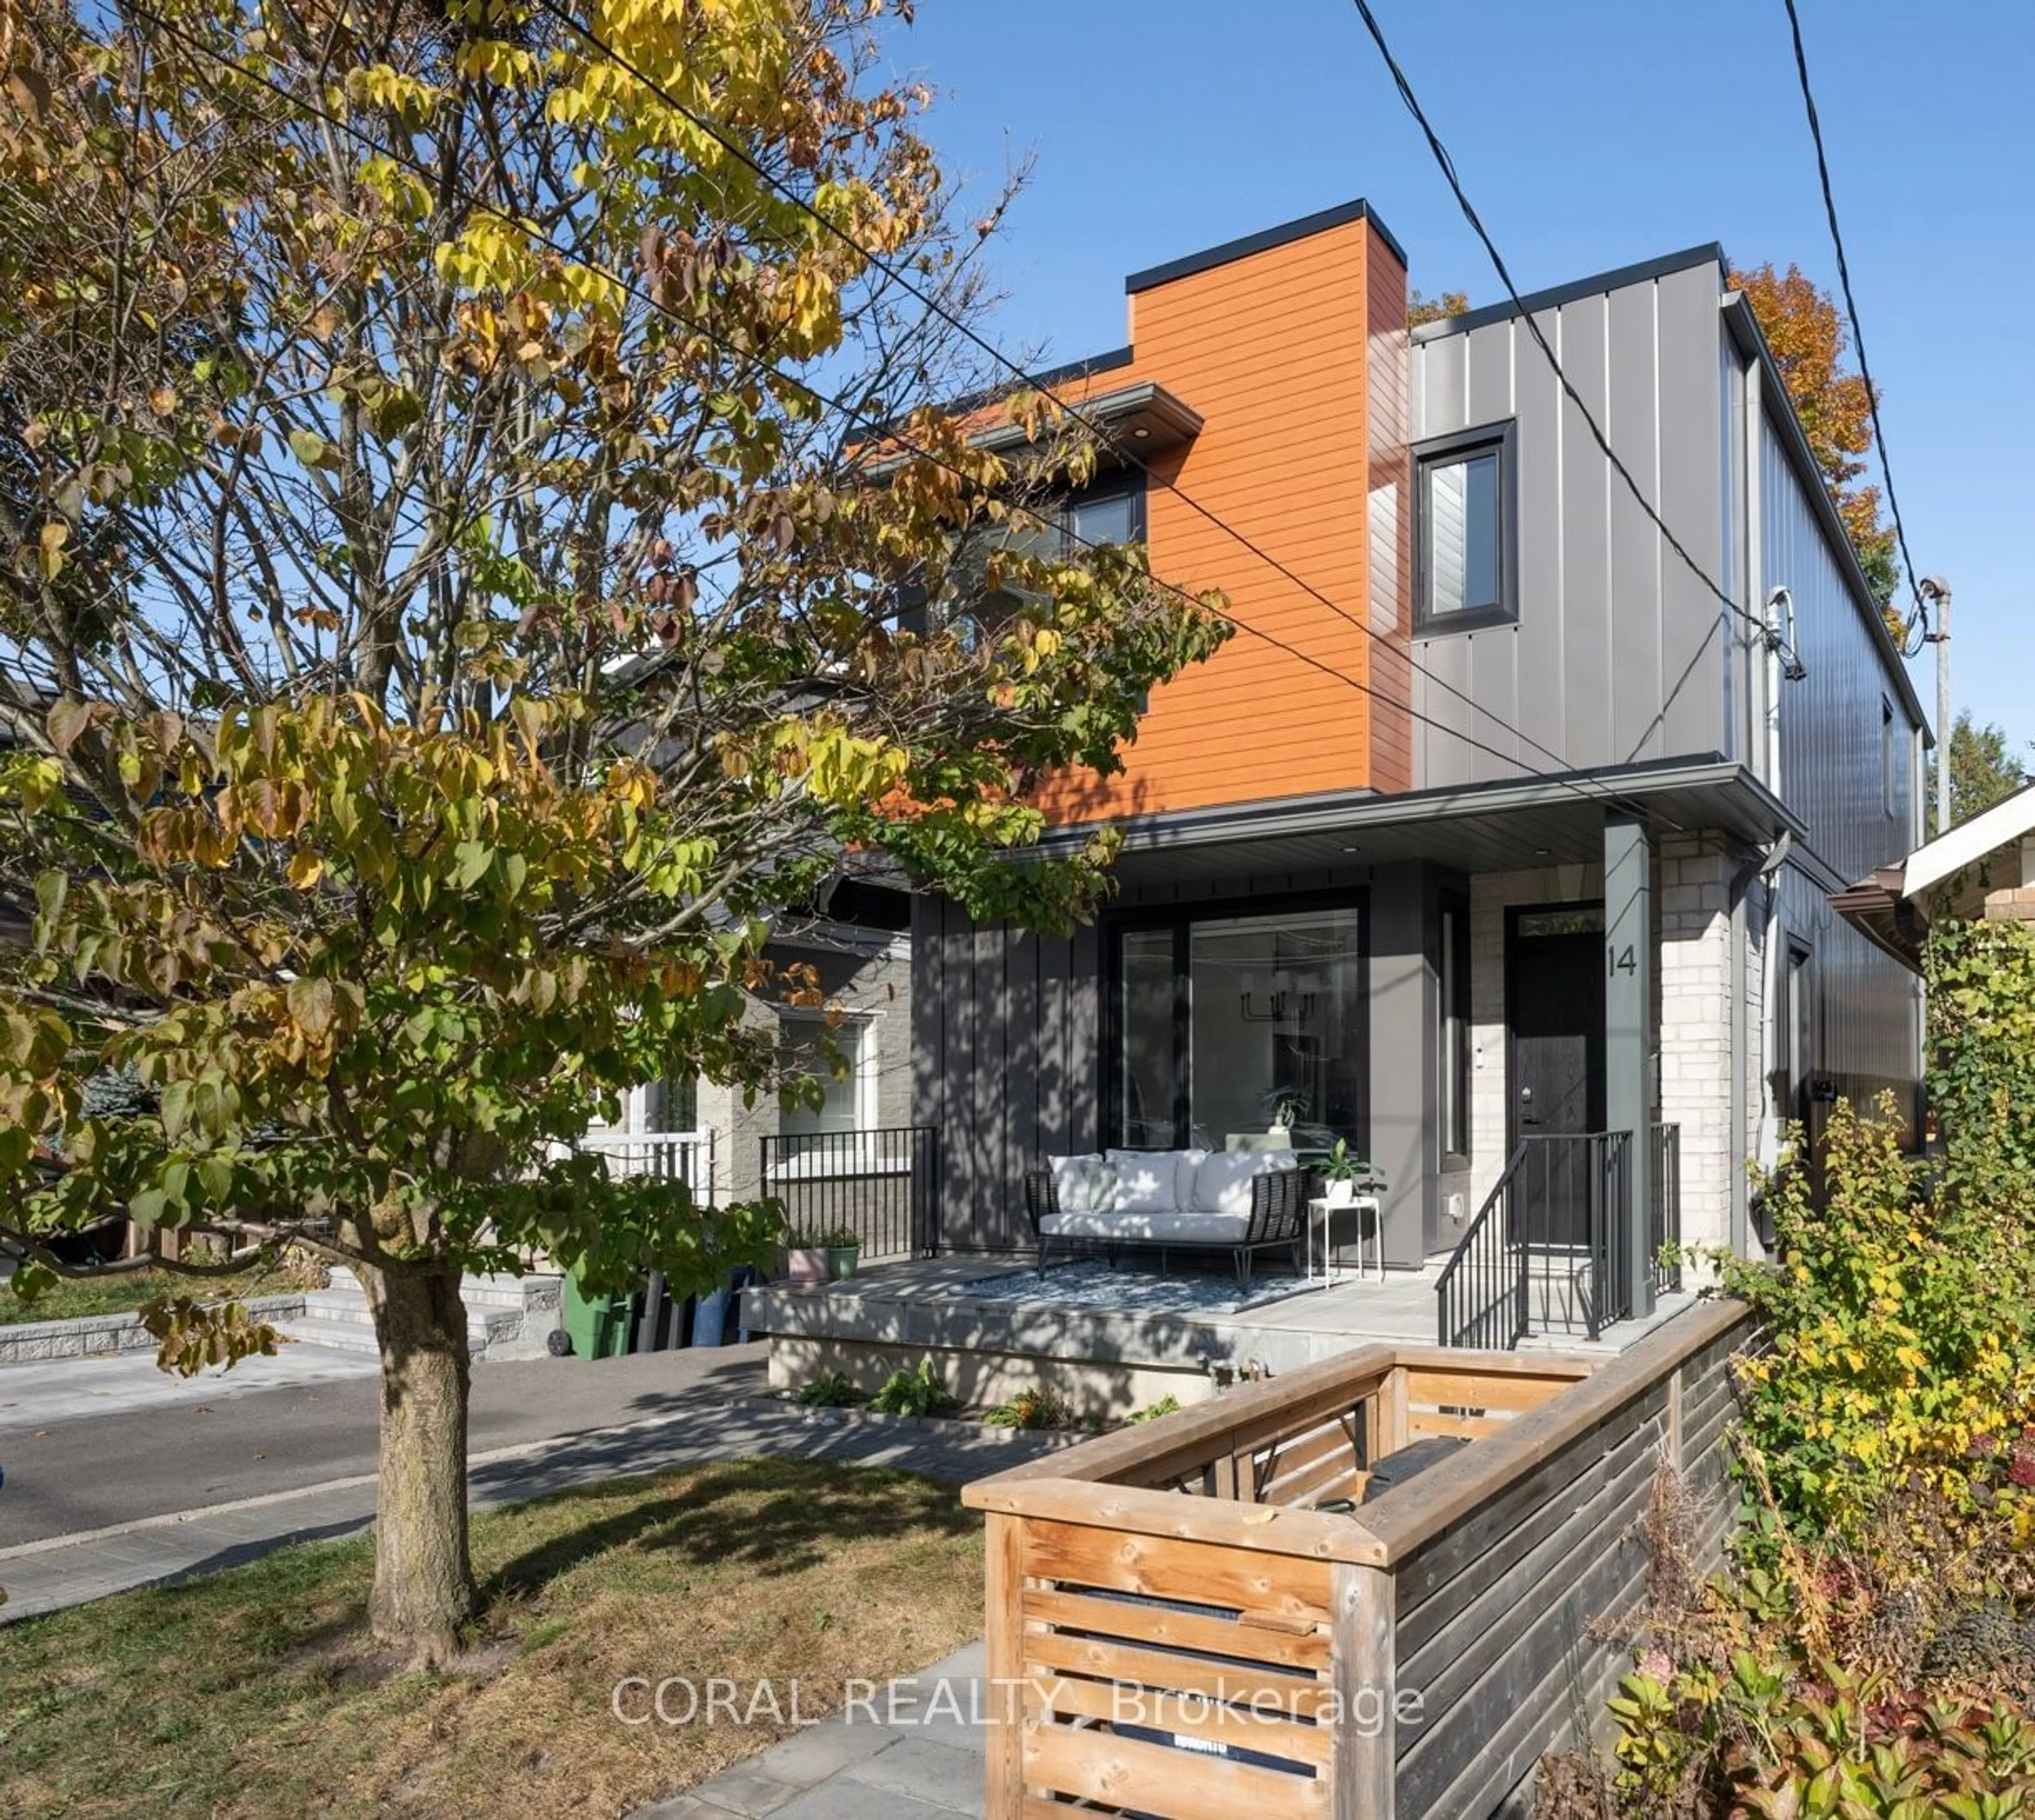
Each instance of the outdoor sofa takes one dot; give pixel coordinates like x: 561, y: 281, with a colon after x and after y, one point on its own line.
x: 1240, y: 1202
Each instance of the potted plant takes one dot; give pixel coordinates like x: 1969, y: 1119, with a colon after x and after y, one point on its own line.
x: 844, y: 1250
x: 806, y: 1256
x: 1342, y: 1174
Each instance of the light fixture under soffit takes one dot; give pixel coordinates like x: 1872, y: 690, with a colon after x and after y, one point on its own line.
x: 1140, y: 433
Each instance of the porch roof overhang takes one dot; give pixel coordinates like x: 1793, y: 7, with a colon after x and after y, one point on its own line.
x: 1498, y: 827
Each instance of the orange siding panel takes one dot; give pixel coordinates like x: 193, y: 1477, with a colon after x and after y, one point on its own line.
x: 1294, y: 357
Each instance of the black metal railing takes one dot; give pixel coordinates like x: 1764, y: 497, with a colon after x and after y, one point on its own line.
x: 1666, y: 1159
x: 1481, y: 1297
x: 1550, y: 1250
x: 879, y: 1184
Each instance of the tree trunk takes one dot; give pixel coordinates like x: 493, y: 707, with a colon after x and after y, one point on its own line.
x: 423, y: 1579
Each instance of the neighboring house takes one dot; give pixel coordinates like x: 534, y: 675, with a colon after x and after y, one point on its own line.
x: 1545, y: 851
x: 851, y: 1161
x: 1981, y: 868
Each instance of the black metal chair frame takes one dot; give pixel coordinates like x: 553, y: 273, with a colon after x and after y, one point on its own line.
x: 1278, y: 1222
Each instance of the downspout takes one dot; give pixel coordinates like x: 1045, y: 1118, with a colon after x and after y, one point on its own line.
x: 1761, y: 866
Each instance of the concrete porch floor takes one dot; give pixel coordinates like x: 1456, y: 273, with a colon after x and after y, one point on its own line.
x: 987, y: 1347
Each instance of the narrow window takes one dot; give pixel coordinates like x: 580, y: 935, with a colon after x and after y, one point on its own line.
x: 1887, y: 784
x: 1455, y: 1036
x: 1466, y: 572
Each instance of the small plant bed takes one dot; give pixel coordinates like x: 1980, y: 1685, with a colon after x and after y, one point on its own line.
x: 258, y: 1691
x: 74, y: 1298
x: 919, y: 1394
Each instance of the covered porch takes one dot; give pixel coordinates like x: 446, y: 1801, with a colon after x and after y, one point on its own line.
x: 1525, y: 1002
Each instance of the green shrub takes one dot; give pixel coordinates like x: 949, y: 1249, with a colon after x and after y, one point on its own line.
x: 1033, y: 1409
x: 1167, y: 1406
x: 832, y: 1390
x: 1901, y: 1334
x: 1752, y: 1742
x: 917, y: 1393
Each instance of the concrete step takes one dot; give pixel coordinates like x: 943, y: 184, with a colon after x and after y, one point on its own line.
x: 338, y: 1336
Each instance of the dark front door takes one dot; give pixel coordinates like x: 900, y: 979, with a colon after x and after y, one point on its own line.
x: 1554, y: 1009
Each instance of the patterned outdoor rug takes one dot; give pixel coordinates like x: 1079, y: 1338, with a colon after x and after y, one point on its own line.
x: 1132, y: 1290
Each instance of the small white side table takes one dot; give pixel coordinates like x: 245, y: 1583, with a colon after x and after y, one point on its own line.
x: 1322, y: 1212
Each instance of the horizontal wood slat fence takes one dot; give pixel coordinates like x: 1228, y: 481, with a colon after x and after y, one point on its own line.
x: 1175, y: 1630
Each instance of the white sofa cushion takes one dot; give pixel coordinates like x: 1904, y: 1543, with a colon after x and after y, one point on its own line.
x: 1222, y: 1182
x: 1149, y: 1228
x: 1083, y: 1184
x: 1147, y: 1181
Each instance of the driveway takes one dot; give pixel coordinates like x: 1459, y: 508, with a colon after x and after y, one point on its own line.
x: 87, y: 1443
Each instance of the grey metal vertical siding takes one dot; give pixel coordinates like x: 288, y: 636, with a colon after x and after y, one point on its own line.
x: 1869, y: 1006
x: 1830, y: 720
x: 1618, y: 654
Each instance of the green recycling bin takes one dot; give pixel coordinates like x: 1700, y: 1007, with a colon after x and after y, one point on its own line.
x: 597, y: 1325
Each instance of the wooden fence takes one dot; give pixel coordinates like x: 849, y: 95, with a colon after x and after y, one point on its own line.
x: 1176, y: 1630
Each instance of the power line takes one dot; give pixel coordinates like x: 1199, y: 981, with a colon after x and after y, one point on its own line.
x: 1589, y: 789
x: 1921, y: 614
x: 713, y: 129
x: 1470, y: 214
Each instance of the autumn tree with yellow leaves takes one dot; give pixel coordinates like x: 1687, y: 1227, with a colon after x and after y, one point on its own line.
x: 475, y: 545
x: 1807, y: 340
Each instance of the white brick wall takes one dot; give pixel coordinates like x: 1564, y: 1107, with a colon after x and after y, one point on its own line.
x: 1692, y: 987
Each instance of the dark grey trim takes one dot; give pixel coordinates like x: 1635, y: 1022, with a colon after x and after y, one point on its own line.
x: 1435, y: 451
x: 1175, y: 421
x: 1333, y: 811
x: 1081, y: 369
x: 1744, y: 327
x: 1263, y: 242
x: 1711, y: 253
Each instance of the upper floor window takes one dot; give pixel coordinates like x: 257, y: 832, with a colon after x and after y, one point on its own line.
x: 1110, y: 516
x: 1465, y: 574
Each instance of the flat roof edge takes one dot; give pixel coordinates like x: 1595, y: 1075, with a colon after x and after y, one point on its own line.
x: 1263, y: 241
x: 1710, y: 252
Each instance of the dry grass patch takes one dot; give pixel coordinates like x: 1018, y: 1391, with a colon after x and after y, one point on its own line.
x: 254, y: 1692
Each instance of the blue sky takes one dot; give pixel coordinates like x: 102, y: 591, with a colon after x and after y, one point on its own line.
x: 1589, y: 134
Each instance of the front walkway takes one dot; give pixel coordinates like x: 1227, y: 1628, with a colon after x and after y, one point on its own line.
x: 913, y: 1750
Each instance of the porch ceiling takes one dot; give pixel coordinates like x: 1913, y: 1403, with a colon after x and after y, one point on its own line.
x: 1487, y: 828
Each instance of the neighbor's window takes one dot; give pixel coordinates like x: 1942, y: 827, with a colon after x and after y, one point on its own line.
x: 802, y: 1048
x: 1465, y: 567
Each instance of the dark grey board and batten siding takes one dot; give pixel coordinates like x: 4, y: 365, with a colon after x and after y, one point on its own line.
x: 1006, y: 1059
x: 1619, y: 654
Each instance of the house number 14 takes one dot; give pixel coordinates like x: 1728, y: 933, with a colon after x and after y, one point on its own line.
x: 1621, y: 959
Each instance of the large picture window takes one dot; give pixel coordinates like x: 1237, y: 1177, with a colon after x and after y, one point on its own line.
x: 1223, y: 1022
x: 1466, y: 575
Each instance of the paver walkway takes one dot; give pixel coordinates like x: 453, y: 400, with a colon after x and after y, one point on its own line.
x: 702, y: 1422
x: 914, y: 1750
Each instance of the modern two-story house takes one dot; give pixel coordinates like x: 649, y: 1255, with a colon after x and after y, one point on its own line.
x: 1499, y: 841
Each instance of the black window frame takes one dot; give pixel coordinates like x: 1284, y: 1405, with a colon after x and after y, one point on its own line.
x: 1126, y: 483
x: 1177, y: 920
x: 1503, y: 441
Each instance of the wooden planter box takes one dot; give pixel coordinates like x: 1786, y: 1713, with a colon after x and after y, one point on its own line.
x: 1174, y: 1629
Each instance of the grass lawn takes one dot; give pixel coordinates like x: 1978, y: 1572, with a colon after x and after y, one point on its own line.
x: 257, y: 1692
x: 72, y: 1297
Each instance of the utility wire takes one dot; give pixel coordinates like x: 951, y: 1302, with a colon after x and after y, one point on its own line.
x: 1589, y: 789
x: 1533, y: 327
x: 891, y: 270
x: 1920, y: 616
